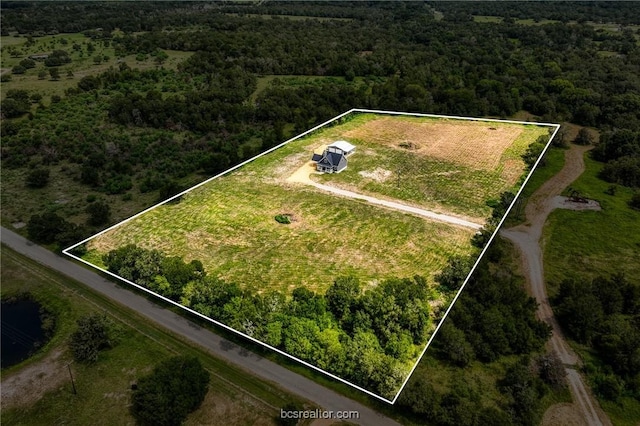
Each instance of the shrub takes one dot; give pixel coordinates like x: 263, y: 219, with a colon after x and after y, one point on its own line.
x: 584, y: 137
x: 44, y: 228
x: 18, y: 69
x: 91, y: 337
x: 99, y: 213
x: 283, y: 218
x: 635, y: 201
x: 38, y: 178
x: 167, y: 396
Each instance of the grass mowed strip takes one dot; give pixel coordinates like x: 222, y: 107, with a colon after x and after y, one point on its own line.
x: 104, y: 388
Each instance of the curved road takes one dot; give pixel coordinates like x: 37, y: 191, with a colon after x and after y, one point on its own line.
x: 526, y: 238
x: 218, y: 346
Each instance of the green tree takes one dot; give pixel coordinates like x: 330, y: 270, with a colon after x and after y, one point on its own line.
x: 18, y: 69
x: 454, y: 345
x: 28, y: 63
x: 134, y: 263
x: 99, y: 213
x: 454, y: 274
x: 92, y: 335
x: 44, y: 228
x: 174, y: 389
x: 38, y: 178
x: 342, y: 295
x: 54, y: 72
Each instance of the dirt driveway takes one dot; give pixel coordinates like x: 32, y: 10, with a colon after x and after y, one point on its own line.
x: 302, y: 176
x: 526, y: 238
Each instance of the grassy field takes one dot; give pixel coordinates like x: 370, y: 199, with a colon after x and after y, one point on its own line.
x: 103, y: 389
x: 585, y: 242
x: 229, y: 225
x: 82, y: 63
x: 449, y: 166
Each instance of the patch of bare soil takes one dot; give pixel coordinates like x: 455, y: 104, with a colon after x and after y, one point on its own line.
x: 302, y: 174
x: 562, y: 415
x: 474, y: 144
x: 284, y: 168
x: 379, y: 174
x: 25, y: 387
x: 560, y: 202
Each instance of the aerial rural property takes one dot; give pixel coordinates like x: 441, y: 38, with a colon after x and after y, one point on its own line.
x: 336, y: 248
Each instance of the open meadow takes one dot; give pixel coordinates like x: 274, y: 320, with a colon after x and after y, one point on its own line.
x: 228, y: 224
x: 288, y: 243
x: 445, y: 165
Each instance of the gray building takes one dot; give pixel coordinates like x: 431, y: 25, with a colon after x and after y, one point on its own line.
x: 334, y: 157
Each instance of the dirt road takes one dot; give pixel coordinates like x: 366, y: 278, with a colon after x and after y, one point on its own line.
x: 302, y: 176
x: 526, y: 238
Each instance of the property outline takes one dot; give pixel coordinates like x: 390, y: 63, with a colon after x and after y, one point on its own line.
x: 313, y: 129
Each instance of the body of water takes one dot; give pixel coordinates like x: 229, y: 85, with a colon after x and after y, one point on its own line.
x: 22, y: 332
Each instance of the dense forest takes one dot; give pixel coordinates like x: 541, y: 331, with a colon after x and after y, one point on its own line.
x: 258, y: 74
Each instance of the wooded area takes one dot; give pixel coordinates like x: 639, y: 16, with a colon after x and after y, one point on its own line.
x: 368, y: 337
x: 129, y: 136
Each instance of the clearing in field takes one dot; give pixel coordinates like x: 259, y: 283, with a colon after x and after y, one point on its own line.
x: 412, y: 196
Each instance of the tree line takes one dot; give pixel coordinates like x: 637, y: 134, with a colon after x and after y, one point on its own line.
x: 367, y: 337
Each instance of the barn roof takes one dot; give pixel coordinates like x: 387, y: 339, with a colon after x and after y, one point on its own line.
x: 343, y: 145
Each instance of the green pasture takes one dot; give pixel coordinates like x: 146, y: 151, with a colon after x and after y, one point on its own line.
x: 582, y: 244
x: 229, y: 225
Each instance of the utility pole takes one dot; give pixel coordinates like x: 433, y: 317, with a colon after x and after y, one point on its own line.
x: 73, y: 384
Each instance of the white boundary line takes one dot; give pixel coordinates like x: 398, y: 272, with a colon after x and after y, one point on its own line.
x: 357, y: 110
x: 557, y: 126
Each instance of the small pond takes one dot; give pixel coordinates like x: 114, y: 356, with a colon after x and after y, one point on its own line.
x: 22, y: 330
